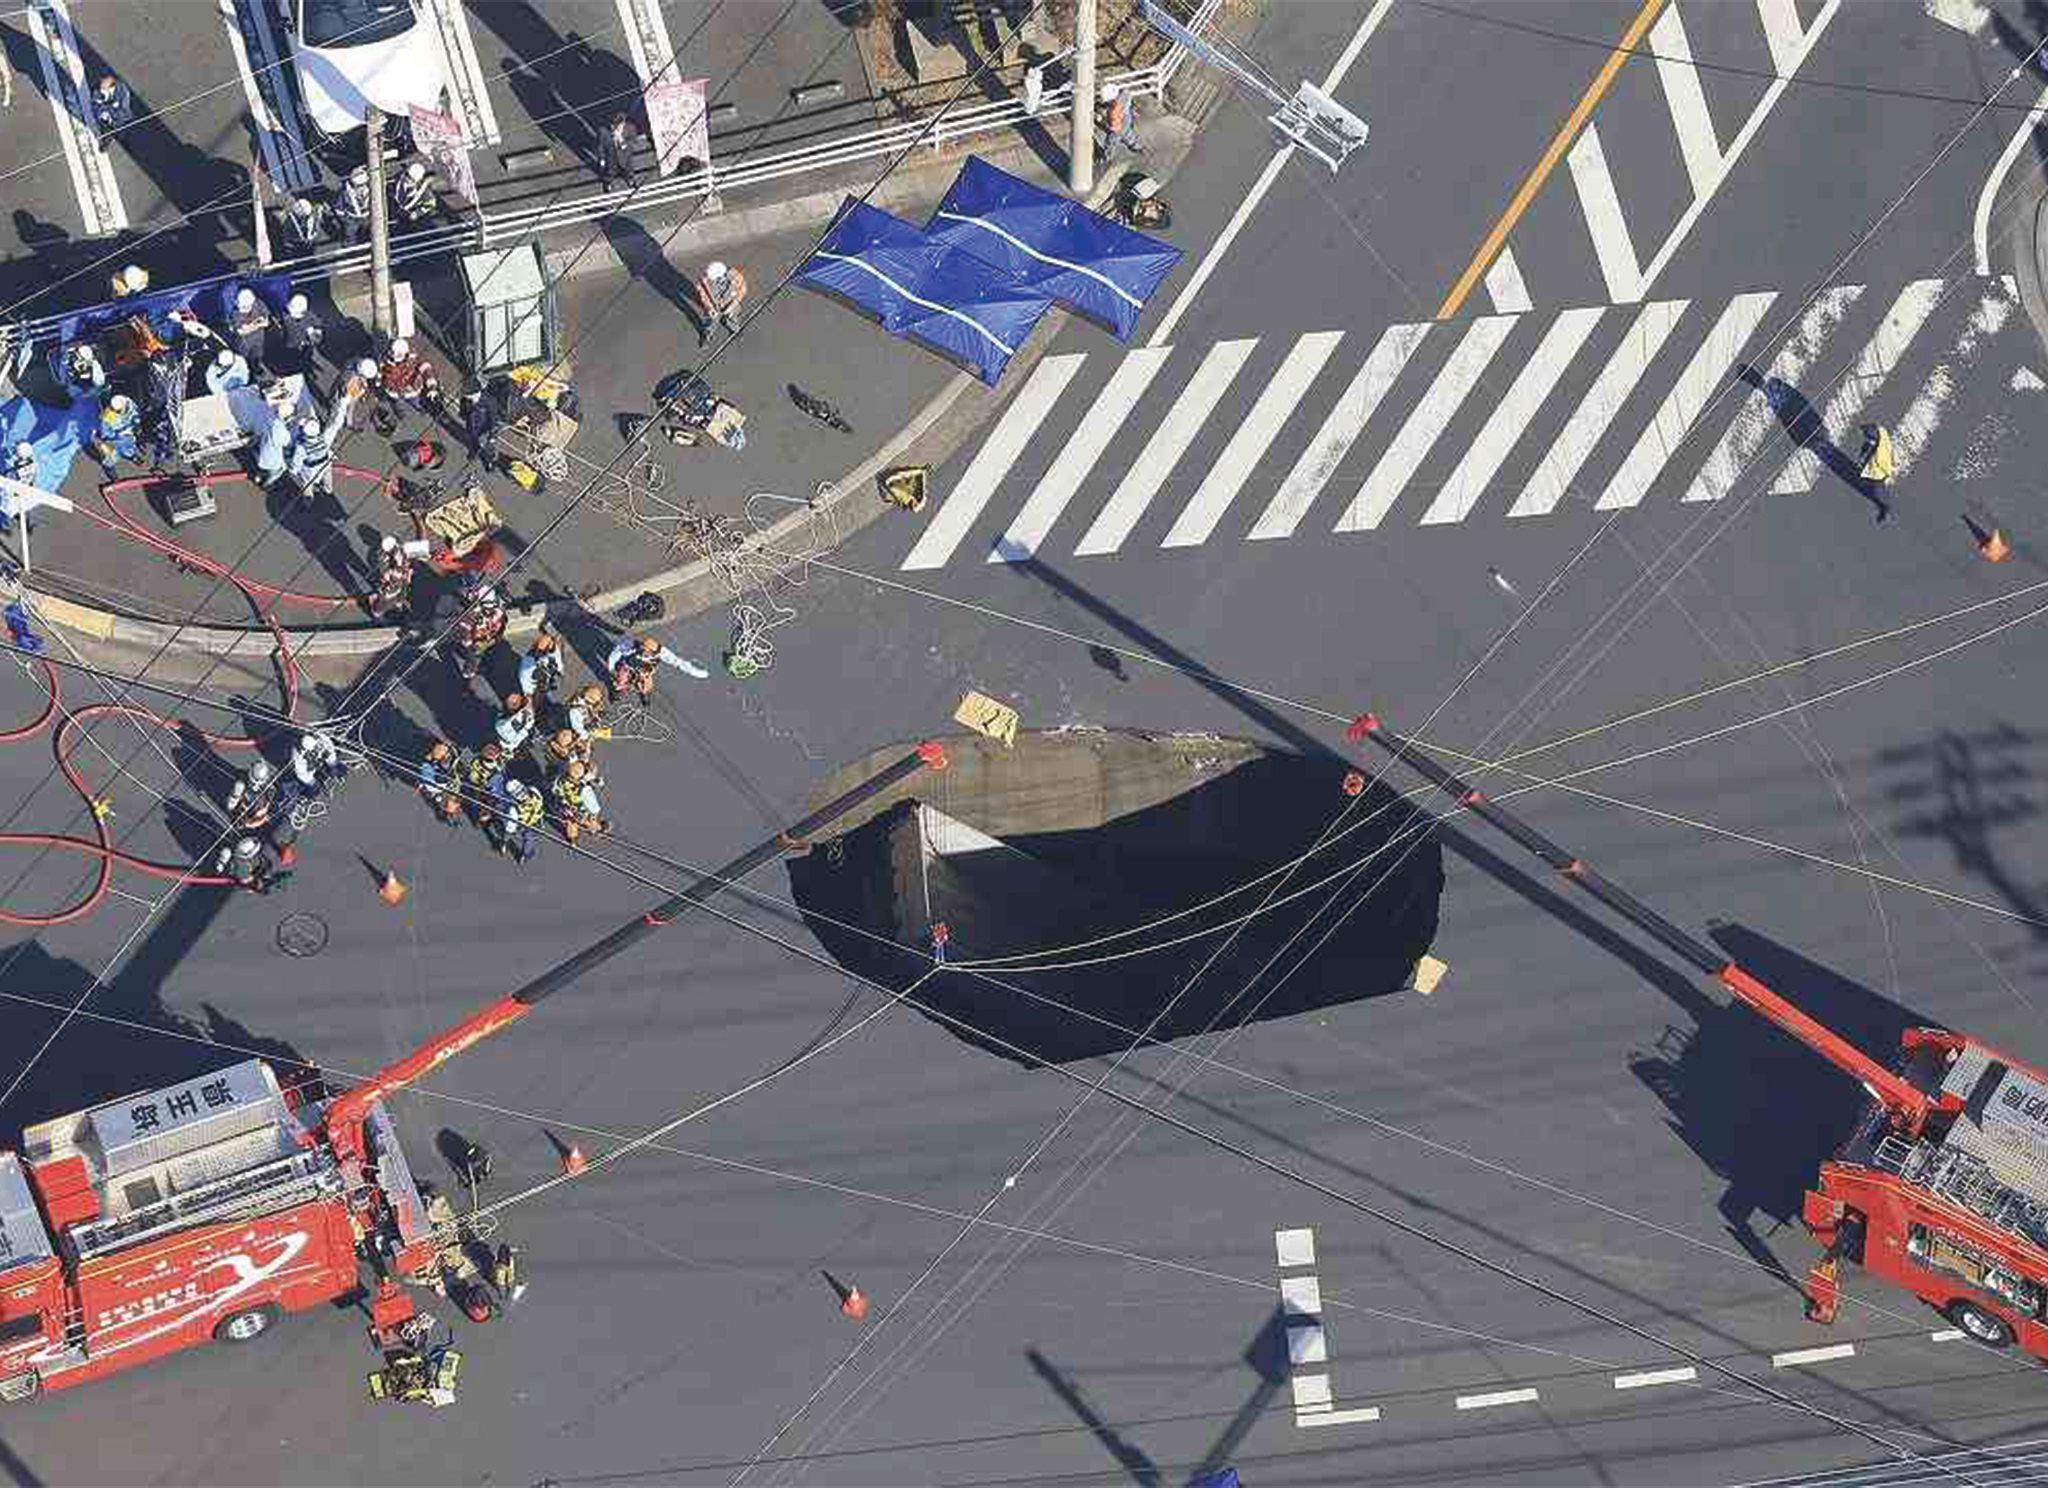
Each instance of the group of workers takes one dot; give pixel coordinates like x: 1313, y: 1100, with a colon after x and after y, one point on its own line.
x: 311, y: 224
x: 539, y: 764
x: 267, y: 809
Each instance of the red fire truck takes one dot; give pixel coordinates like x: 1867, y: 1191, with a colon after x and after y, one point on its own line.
x: 205, y: 1210
x: 1941, y: 1188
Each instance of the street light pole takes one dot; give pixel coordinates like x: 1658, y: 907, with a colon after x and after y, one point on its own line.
x: 382, y: 317
x: 1081, y: 155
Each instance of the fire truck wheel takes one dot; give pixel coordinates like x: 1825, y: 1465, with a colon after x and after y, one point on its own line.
x: 246, y: 1326
x: 1988, y: 1328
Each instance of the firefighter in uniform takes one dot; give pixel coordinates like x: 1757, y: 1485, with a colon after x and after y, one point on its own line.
x: 249, y: 327
x: 587, y: 717
x: 305, y: 227
x: 120, y: 424
x: 576, y: 802
x: 512, y: 824
x: 251, y: 866
x: 394, y: 581
x: 413, y: 195
x: 540, y: 670
x: 563, y: 746
x: 352, y: 207
x: 480, y: 628
x: 408, y: 376
x: 441, y: 780
x: 485, y: 774
x: 632, y: 663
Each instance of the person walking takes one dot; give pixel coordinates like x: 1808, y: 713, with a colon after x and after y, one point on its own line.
x: 615, y: 153
x: 1877, y: 467
x: 113, y: 108
x: 721, y: 290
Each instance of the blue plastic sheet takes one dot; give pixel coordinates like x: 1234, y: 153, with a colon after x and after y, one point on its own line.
x: 58, y: 434
x: 213, y: 303
x: 959, y: 305
x: 1091, y: 265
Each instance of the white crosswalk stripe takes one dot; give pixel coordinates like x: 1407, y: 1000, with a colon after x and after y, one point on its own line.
x: 1667, y: 399
x: 99, y: 194
x: 1167, y: 444
x: 1483, y: 340
x: 978, y: 486
x: 1340, y: 430
x: 1261, y: 427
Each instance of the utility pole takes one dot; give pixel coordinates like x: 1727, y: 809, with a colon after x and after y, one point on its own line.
x: 383, y: 320
x: 1081, y: 155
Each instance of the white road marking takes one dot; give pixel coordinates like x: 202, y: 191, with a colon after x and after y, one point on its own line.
x: 993, y: 460
x: 1980, y: 225
x: 1164, y: 330
x: 1602, y: 208
x: 1785, y: 68
x: 1461, y: 374
x: 1105, y: 417
x: 1880, y: 354
x: 1781, y: 32
x: 1945, y: 1335
x: 1525, y: 396
x: 1813, y: 1355
x: 1302, y: 1296
x: 472, y: 98
x: 1597, y: 410
x: 1967, y: 16
x: 1504, y: 283
x: 1917, y: 425
x: 1762, y: 413
x: 1710, y: 365
x: 1357, y: 1416
x: 99, y: 195
x: 1497, y: 1397
x: 1282, y: 396
x: 2026, y: 380
x: 1311, y: 1392
x: 1295, y: 1247
x: 1340, y: 430
x: 1655, y: 1377
x: 1688, y: 101
x: 1307, y: 1345
x: 1163, y: 450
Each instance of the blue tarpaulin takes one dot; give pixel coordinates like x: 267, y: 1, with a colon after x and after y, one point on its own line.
x: 213, y: 302
x: 1080, y: 258
x: 58, y: 434
x: 957, y: 304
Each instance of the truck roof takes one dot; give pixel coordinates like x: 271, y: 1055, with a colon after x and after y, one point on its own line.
x: 23, y: 1240
x: 1993, y: 1158
x: 214, y: 1147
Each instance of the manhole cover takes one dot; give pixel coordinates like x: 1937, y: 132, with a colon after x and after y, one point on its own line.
x: 302, y: 935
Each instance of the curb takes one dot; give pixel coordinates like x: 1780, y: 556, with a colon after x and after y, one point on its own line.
x: 694, y: 585
x: 2027, y: 271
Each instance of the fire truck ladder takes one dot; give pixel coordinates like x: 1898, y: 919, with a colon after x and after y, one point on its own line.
x: 1908, y: 1106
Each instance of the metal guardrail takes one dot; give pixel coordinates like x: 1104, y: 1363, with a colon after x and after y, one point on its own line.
x: 502, y: 229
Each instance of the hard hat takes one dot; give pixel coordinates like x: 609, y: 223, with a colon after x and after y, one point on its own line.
x: 106, y: 82
x: 245, y: 299
x: 577, y: 769
x: 440, y: 751
x: 416, y: 172
x: 543, y: 643
x: 296, y: 305
x: 135, y: 278
x: 110, y: 414
x: 302, y: 206
x: 309, y: 425
x: 714, y: 270
x: 1146, y: 189
x: 120, y: 403
x: 487, y: 596
x: 515, y: 789
x: 591, y: 696
x: 516, y: 703
x: 390, y: 543
x: 360, y: 176
x: 246, y: 848
x: 366, y: 369
x: 401, y: 349
x: 225, y: 357
x: 1109, y: 92
x: 260, y: 773
x: 24, y: 451
x: 649, y: 645
x: 563, y: 740
x: 491, y: 751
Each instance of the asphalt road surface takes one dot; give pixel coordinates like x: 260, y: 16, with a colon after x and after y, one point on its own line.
x: 1804, y: 733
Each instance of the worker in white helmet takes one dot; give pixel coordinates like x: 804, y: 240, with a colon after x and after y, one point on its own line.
x: 305, y: 227
x: 133, y: 280
x: 249, y: 327
x: 413, y: 194
x: 721, y: 290
x: 299, y: 336
x: 227, y: 371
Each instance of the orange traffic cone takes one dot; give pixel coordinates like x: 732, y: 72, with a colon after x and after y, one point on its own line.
x: 392, y: 890
x: 853, y: 1304
x: 1995, y: 548
x: 573, y: 1161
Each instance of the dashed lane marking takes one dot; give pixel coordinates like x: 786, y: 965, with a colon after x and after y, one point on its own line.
x: 1945, y: 1335
x: 1656, y: 1377
x: 1360, y: 1416
x: 1496, y: 1397
x: 1796, y: 1357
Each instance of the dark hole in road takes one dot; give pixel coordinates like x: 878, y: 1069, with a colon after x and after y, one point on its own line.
x: 1038, y: 898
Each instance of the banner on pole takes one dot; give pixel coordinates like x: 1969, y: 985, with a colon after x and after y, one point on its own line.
x: 439, y: 137
x: 676, y: 123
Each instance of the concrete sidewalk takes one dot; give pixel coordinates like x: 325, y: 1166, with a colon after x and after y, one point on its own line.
x: 623, y: 328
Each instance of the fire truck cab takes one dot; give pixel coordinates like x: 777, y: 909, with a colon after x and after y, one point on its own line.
x: 1957, y: 1214
x: 174, y: 1217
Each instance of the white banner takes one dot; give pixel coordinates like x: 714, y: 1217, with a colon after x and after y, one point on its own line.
x: 676, y: 123
x: 439, y: 137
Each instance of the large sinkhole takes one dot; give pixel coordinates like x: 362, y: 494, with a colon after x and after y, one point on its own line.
x: 1092, y: 875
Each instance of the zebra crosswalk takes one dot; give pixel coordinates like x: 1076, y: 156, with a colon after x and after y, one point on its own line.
x: 1503, y: 416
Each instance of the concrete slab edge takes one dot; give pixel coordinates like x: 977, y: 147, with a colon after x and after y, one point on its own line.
x: 2028, y: 272
x: 690, y: 588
